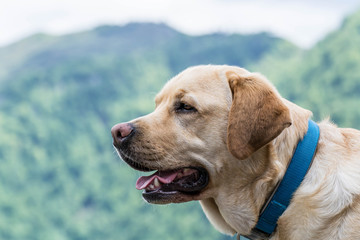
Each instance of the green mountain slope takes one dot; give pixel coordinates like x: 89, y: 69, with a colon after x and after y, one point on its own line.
x: 59, y: 96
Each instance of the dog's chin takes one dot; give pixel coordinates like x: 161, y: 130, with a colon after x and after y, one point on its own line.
x: 160, y: 197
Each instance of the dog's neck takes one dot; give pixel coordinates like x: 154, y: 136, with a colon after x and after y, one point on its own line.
x: 278, y: 153
x: 282, y: 194
x: 283, y: 147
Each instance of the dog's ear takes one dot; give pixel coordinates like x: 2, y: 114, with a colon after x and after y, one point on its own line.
x: 257, y: 114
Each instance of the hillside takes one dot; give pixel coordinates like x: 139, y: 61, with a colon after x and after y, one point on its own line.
x: 59, y: 96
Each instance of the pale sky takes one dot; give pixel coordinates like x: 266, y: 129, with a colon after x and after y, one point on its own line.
x: 303, y: 22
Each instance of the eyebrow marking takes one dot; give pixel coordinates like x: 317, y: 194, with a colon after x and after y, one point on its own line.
x: 181, y: 94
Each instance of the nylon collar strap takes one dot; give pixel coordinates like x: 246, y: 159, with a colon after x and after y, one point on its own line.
x: 295, y: 173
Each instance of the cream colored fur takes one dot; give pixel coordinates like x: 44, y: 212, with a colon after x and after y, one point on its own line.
x: 326, y: 205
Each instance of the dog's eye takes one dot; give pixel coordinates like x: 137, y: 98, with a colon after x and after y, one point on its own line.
x: 184, y: 108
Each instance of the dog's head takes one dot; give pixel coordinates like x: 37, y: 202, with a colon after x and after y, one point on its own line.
x: 208, y: 122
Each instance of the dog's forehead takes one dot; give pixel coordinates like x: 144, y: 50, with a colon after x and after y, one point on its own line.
x: 195, y: 80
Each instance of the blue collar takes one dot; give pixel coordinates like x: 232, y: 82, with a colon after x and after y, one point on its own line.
x: 295, y: 173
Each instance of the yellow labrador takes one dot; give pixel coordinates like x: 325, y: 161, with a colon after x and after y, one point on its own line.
x: 224, y: 136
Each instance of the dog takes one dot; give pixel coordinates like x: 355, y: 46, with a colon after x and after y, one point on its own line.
x: 224, y: 136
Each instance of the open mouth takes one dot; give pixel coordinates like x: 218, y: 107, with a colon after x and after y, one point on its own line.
x: 174, y: 186
x: 169, y: 186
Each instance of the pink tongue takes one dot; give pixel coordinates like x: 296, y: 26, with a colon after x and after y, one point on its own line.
x: 166, y: 177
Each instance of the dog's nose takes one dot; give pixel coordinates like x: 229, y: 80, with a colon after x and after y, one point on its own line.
x: 121, y: 131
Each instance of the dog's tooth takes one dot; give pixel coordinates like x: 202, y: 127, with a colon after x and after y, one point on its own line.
x: 156, y: 183
x: 186, y: 171
x: 151, y: 186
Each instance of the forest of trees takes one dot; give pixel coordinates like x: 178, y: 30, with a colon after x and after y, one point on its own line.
x: 60, y: 177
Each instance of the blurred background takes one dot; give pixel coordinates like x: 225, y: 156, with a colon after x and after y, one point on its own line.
x: 70, y: 70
